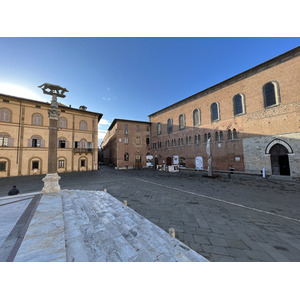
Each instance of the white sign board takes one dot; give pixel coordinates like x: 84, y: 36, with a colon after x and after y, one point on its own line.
x: 175, y: 160
x: 199, y: 163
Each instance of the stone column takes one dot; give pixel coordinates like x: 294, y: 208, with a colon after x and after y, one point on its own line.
x: 51, y: 181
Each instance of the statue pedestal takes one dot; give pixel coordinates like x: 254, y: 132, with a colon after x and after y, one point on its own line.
x: 51, y: 184
x: 209, y: 169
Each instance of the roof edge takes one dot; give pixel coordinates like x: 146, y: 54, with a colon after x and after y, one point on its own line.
x: 250, y: 72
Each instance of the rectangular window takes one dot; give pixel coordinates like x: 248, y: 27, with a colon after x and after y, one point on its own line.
x: 89, y: 145
x: 138, y: 140
x: 61, y: 163
x: 77, y: 144
x: 36, y: 143
x: 82, y: 163
x: 137, y: 127
x: 3, y: 141
x: 35, y: 165
x: 126, y: 129
x: 2, y: 166
x: 126, y: 140
x: 147, y: 141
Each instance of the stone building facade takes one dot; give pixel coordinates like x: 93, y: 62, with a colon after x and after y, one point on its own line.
x: 252, y: 120
x: 126, y: 144
x: 24, y: 137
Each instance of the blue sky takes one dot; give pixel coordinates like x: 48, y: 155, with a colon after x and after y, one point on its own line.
x: 129, y: 78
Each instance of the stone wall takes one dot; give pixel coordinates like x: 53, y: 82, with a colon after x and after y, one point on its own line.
x: 256, y: 158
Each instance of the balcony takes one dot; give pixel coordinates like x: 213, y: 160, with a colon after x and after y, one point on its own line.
x: 83, y: 150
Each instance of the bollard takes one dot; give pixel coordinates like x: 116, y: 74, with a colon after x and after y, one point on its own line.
x: 125, y: 202
x: 172, y: 232
x: 105, y: 190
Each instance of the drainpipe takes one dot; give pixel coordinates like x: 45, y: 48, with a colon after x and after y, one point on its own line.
x: 19, y: 134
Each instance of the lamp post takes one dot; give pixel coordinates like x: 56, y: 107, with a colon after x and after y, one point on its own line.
x: 51, y: 181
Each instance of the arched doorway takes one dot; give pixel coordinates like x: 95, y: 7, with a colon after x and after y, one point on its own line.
x: 169, y: 161
x: 280, y: 160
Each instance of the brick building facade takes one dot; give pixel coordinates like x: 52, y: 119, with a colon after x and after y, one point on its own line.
x: 126, y: 144
x: 252, y: 120
x: 24, y: 137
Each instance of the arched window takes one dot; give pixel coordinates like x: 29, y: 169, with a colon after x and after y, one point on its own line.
x: 63, y: 143
x: 37, y: 119
x: 221, y: 135
x: 36, y: 141
x: 158, y: 128
x: 126, y: 156
x: 83, y: 144
x: 205, y: 137
x: 217, y: 136
x: 271, y: 94
x: 214, y: 111
x: 196, y: 117
x: 238, y: 104
x: 83, y: 125
x: 181, y: 121
x: 234, y: 134
x: 170, y: 125
x: 229, y: 135
x: 5, y: 115
x: 62, y: 122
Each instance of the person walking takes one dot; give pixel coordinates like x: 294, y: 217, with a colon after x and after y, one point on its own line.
x: 13, y: 191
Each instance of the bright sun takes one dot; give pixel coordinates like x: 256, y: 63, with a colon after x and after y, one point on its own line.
x: 20, y: 91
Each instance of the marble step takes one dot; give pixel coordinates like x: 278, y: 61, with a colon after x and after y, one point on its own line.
x: 98, y: 227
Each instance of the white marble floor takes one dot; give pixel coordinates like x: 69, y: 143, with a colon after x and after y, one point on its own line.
x: 91, y: 226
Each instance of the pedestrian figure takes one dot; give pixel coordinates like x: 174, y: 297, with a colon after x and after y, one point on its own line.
x: 13, y: 191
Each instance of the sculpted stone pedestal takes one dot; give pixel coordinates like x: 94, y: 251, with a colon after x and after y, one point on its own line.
x: 51, y: 184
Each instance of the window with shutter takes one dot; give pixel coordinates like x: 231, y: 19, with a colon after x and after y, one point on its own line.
x: 62, y: 122
x: 5, y: 115
x: 83, y: 125
x: 37, y: 119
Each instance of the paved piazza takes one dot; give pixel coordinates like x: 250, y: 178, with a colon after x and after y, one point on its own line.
x: 242, y: 218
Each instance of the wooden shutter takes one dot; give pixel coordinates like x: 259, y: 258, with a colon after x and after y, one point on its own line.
x: 67, y: 144
x: 10, y: 142
x: 42, y: 143
x: 30, y: 143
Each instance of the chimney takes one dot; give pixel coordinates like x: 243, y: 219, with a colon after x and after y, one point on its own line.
x: 82, y: 107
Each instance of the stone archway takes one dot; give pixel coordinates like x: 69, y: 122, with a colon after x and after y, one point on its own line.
x: 279, y: 151
x: 280, y: 160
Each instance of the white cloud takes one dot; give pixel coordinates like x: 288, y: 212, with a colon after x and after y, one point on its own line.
x: 106, y: 99
x: 101, y: 134
x: 104, y: 122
